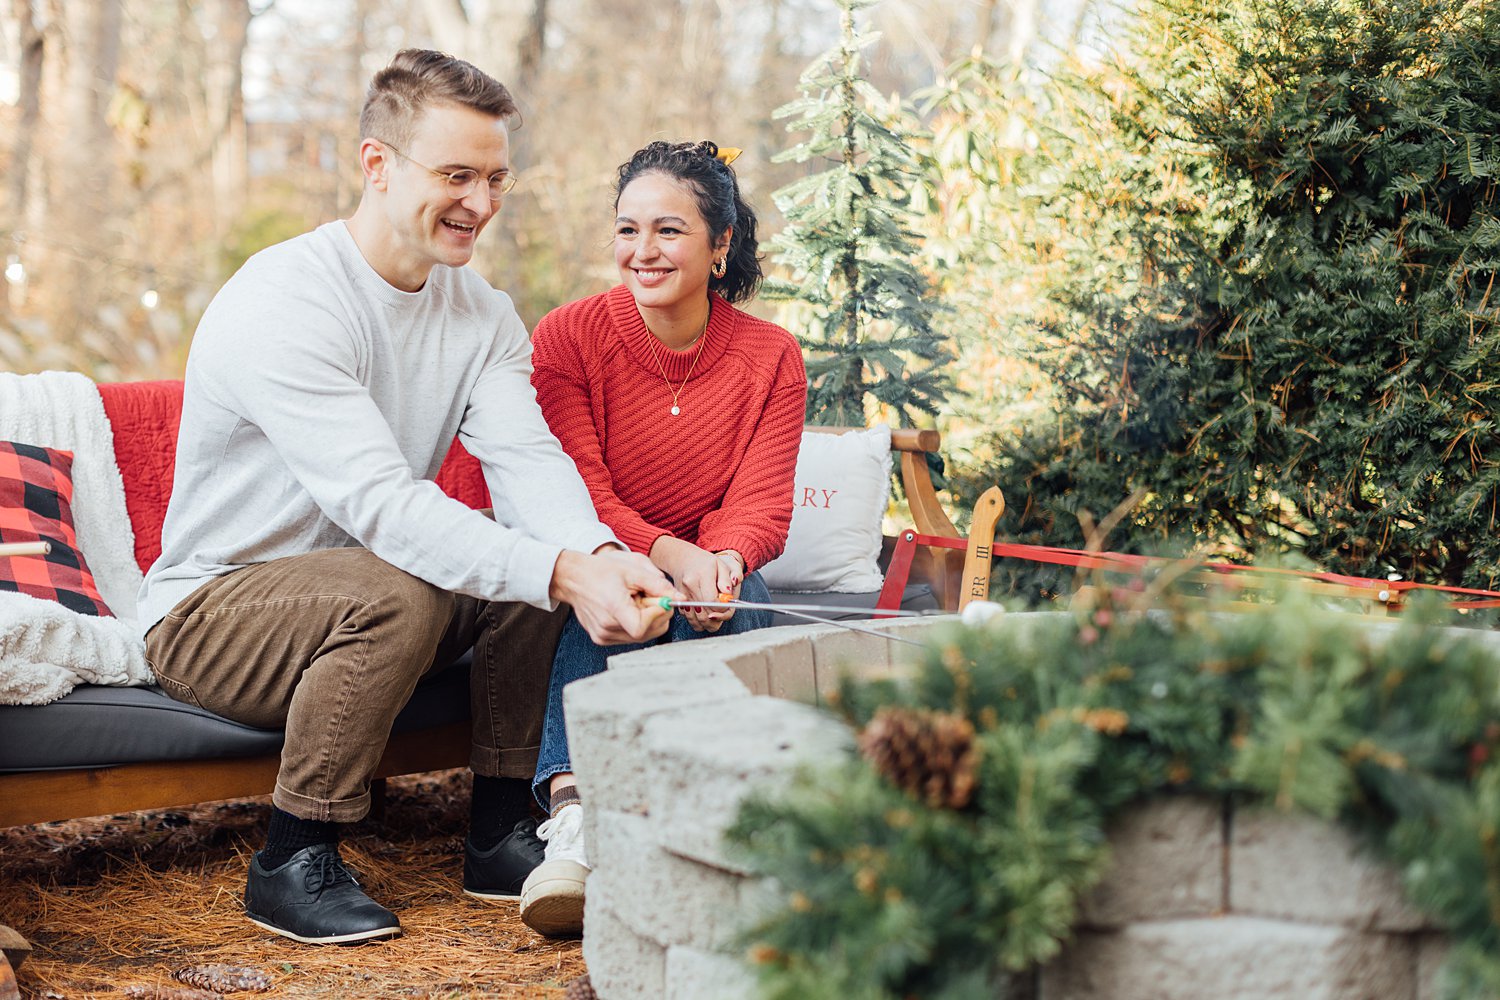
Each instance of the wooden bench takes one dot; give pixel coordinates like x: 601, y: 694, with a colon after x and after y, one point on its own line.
x: 42, y: 796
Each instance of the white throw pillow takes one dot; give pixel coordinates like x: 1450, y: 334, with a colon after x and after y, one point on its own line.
x: 842, y: 488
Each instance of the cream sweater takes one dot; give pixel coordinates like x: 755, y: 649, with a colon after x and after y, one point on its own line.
x: 320, y: 402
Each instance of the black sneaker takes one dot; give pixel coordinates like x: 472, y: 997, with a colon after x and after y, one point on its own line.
x: 314, y: 899
x: 500, y: 872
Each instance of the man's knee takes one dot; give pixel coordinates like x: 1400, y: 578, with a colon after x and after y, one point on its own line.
x: 373, y: 579
x: 398, y: 602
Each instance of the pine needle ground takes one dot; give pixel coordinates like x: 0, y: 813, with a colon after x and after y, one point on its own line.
x: 120, y: 901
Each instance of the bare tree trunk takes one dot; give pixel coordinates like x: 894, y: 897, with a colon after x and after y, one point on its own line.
x: 449, y: 23
x: 32, y: 51
x: 351, y: 184
x: 699, y: 63
x: 530, y: 58
x: 768, y: 76
x: 482, y: 31
x: 531, y: 50
x: 224, y: 89
x: 83, y: 181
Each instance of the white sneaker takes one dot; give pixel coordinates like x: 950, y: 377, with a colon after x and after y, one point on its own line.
x: 552, y: 897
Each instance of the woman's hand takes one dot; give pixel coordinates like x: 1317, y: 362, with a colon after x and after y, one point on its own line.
x: 731, y: 576
x: 702, y: 576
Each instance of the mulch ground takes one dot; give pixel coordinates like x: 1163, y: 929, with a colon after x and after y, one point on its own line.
x: 114, y: 905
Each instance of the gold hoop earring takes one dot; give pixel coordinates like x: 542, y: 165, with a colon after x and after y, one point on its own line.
x: 721, y: 267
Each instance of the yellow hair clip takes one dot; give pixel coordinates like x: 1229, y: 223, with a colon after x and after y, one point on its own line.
x: 728, y: 154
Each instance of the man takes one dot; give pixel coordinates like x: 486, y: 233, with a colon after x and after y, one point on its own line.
x: 311, y: 572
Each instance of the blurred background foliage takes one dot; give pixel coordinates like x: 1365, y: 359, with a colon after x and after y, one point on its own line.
x: 148, y: 146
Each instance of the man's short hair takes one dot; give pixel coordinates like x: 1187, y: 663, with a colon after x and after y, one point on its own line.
x: 416, y: 78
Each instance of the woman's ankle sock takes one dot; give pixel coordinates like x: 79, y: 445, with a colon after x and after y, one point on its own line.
x: 565, y: 795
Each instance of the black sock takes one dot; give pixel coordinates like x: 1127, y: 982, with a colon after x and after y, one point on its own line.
x: 563, y: 796
x: 288, y: 835
x: 497, y: 806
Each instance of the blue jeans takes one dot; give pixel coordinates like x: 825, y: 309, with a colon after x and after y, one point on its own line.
x: 579, y: 656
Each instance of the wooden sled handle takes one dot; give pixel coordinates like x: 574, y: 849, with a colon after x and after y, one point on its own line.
x: 976, y: 579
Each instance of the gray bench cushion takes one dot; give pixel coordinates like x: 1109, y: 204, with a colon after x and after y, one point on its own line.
x: 918, y: 597
x: 103, y: 726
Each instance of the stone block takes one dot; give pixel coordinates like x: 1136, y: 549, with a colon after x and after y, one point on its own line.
x: 1299, y: 867
x: 927, y: 630
x: 694, y: 652
x: 660, y: 896
x: 761, y: 898
x: 1235, y: 958
x: 703, y: 764
x: 622, y: 964
x: 1167, y: 862
x: 693, y: 974
x: 915, y: 628
x: 1432, y: 955
x: 606, y: 714
x: 791, y: 671
x: 753, y: 670
x: 838, y: 653
x: 747, y: 655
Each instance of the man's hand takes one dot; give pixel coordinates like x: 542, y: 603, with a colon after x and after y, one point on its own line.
x: 603, y: 589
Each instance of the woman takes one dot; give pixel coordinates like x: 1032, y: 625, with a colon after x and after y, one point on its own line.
x: 684, y: 415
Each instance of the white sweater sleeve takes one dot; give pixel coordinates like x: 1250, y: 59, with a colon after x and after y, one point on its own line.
x: 533, y: 484
x: 298, y: 383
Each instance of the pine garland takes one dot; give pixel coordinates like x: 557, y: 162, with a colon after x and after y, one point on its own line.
x: 1074, y: 717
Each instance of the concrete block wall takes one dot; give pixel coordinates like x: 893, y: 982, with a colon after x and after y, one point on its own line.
x: 1204, y: 900
x: 666, y: 744
x: 1201, y: 900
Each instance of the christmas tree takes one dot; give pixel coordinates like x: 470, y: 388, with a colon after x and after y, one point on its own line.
x: 866, y: 316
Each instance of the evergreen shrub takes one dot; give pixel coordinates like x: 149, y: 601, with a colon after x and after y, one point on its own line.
x: 1266, y: 254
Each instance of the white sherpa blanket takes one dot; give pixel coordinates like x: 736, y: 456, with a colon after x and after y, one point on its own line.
x: 45, y: 649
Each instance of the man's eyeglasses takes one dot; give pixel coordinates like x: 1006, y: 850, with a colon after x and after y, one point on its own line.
x: 461, y: 182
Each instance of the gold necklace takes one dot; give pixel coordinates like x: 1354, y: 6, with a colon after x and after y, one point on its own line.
x: 702, y: 339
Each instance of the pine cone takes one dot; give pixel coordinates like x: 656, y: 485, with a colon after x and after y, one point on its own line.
x: 930, y: 755
x: 580, y: 989
x: 170, y: 993
x: 223, y: 978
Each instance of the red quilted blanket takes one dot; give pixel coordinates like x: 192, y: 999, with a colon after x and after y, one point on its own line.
x: 144, y: 417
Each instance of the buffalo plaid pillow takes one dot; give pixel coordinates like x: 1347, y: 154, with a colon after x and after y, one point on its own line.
x: 36, y: 504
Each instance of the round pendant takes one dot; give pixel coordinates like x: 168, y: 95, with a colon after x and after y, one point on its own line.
x: 675, y: 411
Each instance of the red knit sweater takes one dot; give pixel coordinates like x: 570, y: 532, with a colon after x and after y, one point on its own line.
x: 719, y: 475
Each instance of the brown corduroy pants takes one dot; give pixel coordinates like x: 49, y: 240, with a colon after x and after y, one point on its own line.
x: 330, y: 645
